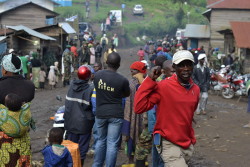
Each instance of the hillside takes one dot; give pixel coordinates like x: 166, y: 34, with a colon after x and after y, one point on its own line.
x: 161, y: 16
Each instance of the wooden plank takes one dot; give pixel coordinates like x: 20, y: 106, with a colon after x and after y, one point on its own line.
x: 26, y: 16
x: 220, y: 19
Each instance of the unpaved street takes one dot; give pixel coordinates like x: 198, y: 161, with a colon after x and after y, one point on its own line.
x: 221, y: 140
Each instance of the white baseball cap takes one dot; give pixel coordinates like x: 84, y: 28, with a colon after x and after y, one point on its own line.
x: 11, y: 50
x: 201, y: 56
x: 181, y: 56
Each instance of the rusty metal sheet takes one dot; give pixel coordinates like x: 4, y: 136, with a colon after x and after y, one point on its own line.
x: 241, y: 33
x: 228, y: 4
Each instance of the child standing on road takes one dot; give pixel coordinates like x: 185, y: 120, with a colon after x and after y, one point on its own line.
x: 52, y: 77
x: 140, y: 53
x: 42, y: 76
x: 56, y: 154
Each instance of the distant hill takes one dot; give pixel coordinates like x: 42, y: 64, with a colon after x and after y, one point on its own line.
x: 161, y: 16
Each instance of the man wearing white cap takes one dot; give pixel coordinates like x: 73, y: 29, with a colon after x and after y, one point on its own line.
x: 201, y: 77
x: 176, y: 98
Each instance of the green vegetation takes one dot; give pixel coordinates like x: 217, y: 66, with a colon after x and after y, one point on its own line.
x: 161, y: 16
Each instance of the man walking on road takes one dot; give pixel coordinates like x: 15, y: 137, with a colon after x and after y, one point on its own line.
x: 66, y: 65
x: 110, y: 87
x: 98, y: 52
x: 176, y: 98
x: 201, y: 77
x: 104, y: 42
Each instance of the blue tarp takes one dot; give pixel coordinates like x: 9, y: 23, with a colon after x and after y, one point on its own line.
x: 50, y: 21
x: 3, y: 49
x: 64, y: 2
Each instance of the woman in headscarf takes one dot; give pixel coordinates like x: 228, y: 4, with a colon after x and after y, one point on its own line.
x: 36, y: 67
x: 133, y: 123
x: 14, y: 148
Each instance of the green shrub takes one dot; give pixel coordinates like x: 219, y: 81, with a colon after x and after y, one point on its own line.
x: 161, y: 16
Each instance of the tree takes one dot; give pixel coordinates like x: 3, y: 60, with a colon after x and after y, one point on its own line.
x: 179, y: 15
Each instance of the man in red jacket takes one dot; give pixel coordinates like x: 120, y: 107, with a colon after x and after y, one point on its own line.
x: 176, y: 98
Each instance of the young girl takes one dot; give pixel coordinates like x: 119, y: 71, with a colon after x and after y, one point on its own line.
x: 140, y: 53
x: 57, y: 72
x: 52, y: 77
x: 42, y: 76
x: 56, y: 154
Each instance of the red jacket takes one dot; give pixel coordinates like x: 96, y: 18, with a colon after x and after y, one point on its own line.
x: 175, y: 108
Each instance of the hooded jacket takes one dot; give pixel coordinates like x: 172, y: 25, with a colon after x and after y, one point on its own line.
x: 78, y: 115
x: 175, y: 108
x: 61, y: 158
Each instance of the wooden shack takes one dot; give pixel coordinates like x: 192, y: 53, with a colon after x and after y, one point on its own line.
x: 29, y: 14
x: 220, y: 13
x: 9, y: 4
x: 61, y: 32
x: 25, y: 39
x: 238, y: 38
x: 197, y: 36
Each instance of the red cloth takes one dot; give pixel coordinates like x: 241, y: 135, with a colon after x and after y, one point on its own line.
x: 159, y: 49
x: 175, y: 108
x: 73, y: 49
x: 141, y: 54
x: 140, y: 66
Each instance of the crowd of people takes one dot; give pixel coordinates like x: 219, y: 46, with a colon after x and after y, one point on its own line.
x: 144, y: 112
x: 136, y: 109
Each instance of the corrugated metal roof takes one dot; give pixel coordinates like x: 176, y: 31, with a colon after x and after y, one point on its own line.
x: 22, y: 5
x: 241, y: 34
x: 2, y: 38
x: 207, y: 11
x: 228, y: 4
x: 197, y: 31
x: 31, y: 32
x: 67, y: 28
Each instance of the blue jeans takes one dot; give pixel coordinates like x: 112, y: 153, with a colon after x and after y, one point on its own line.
x: 95, y: 136
x: 82, y: 140
x: 156, y: 158
x: 109, y: 134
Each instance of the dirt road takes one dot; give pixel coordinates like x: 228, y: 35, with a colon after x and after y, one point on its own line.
x: 221, y: 140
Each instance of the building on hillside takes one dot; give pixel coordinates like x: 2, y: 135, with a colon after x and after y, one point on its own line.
x: 197, y: 36
x: 28, y: 14
x: 220, y: 13
x: 64, y: 2
x: 237, y: 38
x: 9, y: 4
